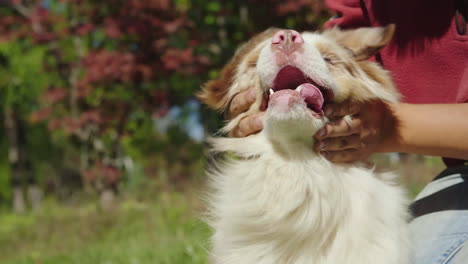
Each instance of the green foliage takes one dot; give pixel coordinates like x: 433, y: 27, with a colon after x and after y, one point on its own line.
x: 5, y: 191
x: 94, y: 75
x: 22, y: 79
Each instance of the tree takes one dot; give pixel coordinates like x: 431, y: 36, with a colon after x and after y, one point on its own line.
x: 114, y: 66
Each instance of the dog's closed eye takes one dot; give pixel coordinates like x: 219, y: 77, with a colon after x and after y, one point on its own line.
x: 331, y: 59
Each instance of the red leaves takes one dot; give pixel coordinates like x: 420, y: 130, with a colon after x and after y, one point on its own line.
x: 42, y: 38
x: 112, y: 29
x: 124, y: 59
x: 163, y: 5
x: 85, y: 29
x: 183, y: 61
x: 73, y: 1
x: 49, y: 97
x: 108, y: 173
x: 110, y: 66
x: 161, y: 100
x: 172, y: 26
x: 53, y: 95
x: 40, y: 115
x: 7, y: 20
x: 92, y: 116
x: 40, y: 15
x: 84, y: 88
x: 68, y: 124
x: 159, y: 44
x: 12, y: 27
x: 173, y: 59
x: 145, y: 71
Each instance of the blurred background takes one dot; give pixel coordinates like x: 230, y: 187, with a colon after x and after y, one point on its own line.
x: 101, y: 138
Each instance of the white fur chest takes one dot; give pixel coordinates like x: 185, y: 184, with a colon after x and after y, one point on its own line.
x: 269, y: 209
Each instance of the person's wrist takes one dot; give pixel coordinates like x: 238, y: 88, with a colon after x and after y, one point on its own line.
x: 391, y: 140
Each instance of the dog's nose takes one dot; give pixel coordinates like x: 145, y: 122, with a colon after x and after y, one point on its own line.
x: 287, y: 40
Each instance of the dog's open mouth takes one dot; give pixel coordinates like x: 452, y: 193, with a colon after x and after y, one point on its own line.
x: 314, y: 95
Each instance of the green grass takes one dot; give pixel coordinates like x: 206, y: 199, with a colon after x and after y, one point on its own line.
x: 159, y: 230
x: 149, y: 226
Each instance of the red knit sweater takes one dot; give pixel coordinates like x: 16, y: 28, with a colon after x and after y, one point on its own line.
x: 428, y: 56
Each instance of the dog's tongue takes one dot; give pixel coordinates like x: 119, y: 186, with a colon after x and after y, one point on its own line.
x: 311, y: 95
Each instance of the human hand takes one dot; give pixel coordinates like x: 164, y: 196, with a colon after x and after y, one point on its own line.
x: 370, y: 125
x: 241, y: 103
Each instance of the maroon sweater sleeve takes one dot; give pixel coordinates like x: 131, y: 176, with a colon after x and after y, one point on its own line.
x: 349, y: 14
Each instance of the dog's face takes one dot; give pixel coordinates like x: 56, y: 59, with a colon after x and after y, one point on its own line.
x: 300, y: 73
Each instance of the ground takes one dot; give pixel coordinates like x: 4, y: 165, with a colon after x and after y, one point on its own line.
x: 163, y: 230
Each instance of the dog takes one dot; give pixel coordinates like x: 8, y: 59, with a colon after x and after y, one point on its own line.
x: 273, y: 199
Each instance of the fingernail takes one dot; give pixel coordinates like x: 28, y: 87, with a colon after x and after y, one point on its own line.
x: 328, y: 111
x: 322, y: 146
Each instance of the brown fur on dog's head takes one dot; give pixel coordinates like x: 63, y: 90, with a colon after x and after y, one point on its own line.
x: 343, y: 53
x: 360, y: 44
x: 215, y: 92
x: 363, y: 42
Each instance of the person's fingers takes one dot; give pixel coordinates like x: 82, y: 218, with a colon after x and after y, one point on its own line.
x: 340, y: 143
x: 340, y: 110
x: 343, y: 156
x: 264, y: 104
x: 248, y: 125
x: 340, y: 128
x: 369, y: 133
x: 241, y: 102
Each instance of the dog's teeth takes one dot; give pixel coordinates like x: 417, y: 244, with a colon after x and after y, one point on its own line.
x: 298, y: 89
x: 271, y: 91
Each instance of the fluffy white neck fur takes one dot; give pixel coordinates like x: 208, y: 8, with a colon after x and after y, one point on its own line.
x: 290, y: 133
x: 279, y: 202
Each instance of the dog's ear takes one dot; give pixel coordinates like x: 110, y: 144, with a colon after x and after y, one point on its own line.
x: 363, y: 42
x: 215, y: 93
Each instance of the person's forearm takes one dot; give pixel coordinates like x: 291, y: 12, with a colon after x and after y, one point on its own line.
x: 429, y: 129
